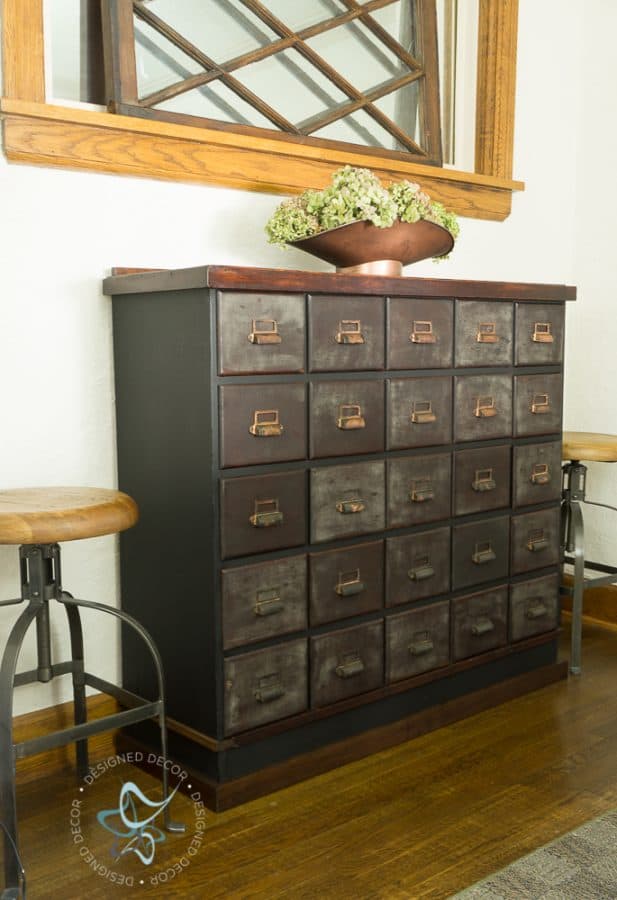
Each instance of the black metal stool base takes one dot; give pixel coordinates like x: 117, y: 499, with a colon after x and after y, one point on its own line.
x: 40, y: 583
x: 573, y: 543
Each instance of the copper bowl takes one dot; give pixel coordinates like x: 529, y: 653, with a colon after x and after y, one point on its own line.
x: 363, y: 248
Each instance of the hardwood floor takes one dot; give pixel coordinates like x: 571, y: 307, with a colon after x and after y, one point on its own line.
x: 421, y: 820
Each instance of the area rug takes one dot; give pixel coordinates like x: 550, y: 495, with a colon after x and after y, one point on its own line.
x: 580, y: 865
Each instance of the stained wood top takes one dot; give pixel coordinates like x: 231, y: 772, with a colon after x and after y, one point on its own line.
x: 587, y: 445
x: 136, y: 281
x: 46, y: 515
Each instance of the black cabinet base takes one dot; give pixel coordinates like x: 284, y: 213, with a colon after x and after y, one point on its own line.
x: 233, y: 776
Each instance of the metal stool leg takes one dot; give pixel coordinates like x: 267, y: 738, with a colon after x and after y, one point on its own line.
x: 578, y: 549
x: 79, y: 687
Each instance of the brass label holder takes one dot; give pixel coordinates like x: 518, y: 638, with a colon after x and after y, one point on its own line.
x: 536, y: 608
x: 485, y: 408
x: 540, y: 473
x: 422, y: 412
x: 349, y: 583
x: 269, y: 688
x: 537, y: 540
x: 421, y: 570
x: 482, y: 625
x: 264, y: 331
x: 422, y: 333
x: 483, y: 481
x: 268, y: 602
x: 483, y: 553
x: 350, y: 332
x: 421, y: 490
x: 421, y: 643
x: 266, y: 514
x: 266, y: 423
x: 350, y: 507
x: 351, y: 665
x: 350, y: 417
x: 542, y: 333
x: 540, y: 404
x: 487, y: 333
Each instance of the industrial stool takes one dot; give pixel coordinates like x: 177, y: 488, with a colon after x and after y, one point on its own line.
x: 38, y: 519
x: 578, y: 445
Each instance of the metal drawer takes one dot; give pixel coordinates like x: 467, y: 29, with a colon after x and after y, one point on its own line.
x: 537, y: 404
x: 265, y: 685
x: 535, y: 540
x: 419, y: 412
x: 346, y: 333
x: 479, y: 623
x: 345, y: 663
x: 262, y: 512
x: 482, y: 407
x: 534, y: 607
x: 346, y: 582
x: 480, y: 551
x: 417, y: 641
x: 347, y: 500
x: 262, y: 423
x: 483, y: 330
x: 346, y: 417
x: 419, y: 489
x: 420, y: 333
x: 481, y: 479
x: 417, y: 566
x: 537, y: 473
x: 263, y: 601
x: 260, y: 333
x: 539, y: 333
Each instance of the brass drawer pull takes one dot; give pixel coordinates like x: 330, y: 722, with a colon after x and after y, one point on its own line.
x: 421, y: 491
x: 266, y: 514
x: 422, y: 412
x: 349, y: 583
x: 540, y: 404
x: 266, y: 423
x: 537, y: 541
x: 351, y: 665
x: 350, y: 332
x: 540, y: 474
x: 264, y: 331
x: 349, y: 507
x: 485, y: 408
x: 542, y: 333
x: 483, y: 481
x: 483, y: 553
x: 422, y: 333
x: 421, y: 644
x: 268, y: 603
x: 421, y: 570
x: 536, y: 612
x: 350, y: 417
x: 269, y: 688
x: 482, y: 626
x: 487, y: 333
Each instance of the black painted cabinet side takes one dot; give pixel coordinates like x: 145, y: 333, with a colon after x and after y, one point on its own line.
x: 162, y: 358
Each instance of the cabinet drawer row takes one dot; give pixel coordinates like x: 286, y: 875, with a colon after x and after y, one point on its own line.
x: 267, y: 423
x: 268, y: 599
x: 270, y: 684
x: 260, y: 513
x: 260, y: 333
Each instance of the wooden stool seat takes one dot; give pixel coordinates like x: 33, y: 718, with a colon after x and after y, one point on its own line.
x: 49, y: 515
x: 589, y: 446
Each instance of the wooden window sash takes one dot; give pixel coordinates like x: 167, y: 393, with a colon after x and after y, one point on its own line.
x: 54, y: 135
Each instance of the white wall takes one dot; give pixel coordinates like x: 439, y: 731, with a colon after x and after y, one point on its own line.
x: 61, y: 232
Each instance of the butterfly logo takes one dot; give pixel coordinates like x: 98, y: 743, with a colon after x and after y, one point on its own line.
x: 141, y: 835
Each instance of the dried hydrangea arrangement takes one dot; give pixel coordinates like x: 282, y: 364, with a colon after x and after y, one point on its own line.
x: 355, y: 195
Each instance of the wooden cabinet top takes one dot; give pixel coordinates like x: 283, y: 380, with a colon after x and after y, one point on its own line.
x: 240, y: 278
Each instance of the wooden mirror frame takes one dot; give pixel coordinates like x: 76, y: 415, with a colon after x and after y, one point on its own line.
x: 53, y: 135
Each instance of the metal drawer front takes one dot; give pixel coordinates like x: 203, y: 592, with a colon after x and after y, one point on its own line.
x: 417, y: 566
x: 420, y: 333
x: 345, y: 663
x: 481, y: 479
x: 419, y: 412
x: 347, y: 500
x: 482, y: 407
x: 537, y: 473
x: 480, y: 551
x: 346, y: 333
x: 537, y: 404
x: 346, y: 417
x: 346, y: 582
x: 262, y: 423
x: 262, y: 512
x: 265, y: 685
x: 534, y: 607
x: 539, y: 334
x: 260, y: 333
x: 483, y: 333
x: 479, y: 623
x: 535, y: 540
x: 263, y: 600
x: 417, y: 641
x: 419, y: 489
